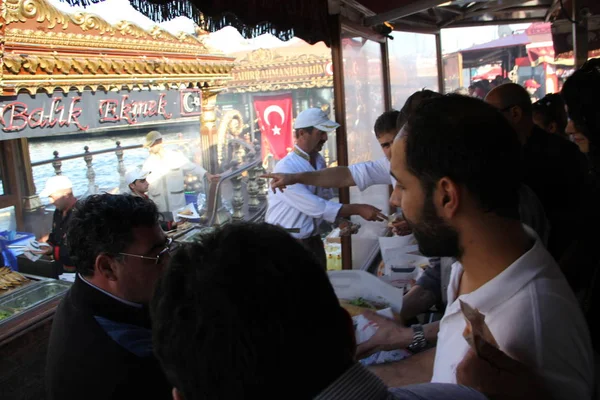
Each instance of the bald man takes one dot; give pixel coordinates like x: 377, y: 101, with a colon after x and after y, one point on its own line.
x: 552, y: 168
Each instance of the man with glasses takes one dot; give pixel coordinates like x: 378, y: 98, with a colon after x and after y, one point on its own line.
x: 101, y: 330
x: 553, y: 167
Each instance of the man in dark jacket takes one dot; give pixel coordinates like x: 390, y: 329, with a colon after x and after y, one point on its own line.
x: 59, y: 190
x: 552, y: 166
x: 100, y: 345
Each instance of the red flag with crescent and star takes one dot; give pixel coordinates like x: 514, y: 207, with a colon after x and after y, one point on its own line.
x: 275, y: 121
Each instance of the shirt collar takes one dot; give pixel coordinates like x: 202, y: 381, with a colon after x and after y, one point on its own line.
x: 301, y: 153
x: 507, y: 283
x: 357, y: 383
x: 129, y: 303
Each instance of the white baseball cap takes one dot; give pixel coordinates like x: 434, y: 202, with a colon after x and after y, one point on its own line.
x: 55, y: 184
x: 135, y: 174
x: 151, y: 138
x: 315, y: 117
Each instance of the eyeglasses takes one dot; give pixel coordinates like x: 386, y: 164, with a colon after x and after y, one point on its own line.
x: 170, y: 247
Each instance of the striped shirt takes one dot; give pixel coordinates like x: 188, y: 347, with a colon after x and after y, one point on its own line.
x: 360, y: 384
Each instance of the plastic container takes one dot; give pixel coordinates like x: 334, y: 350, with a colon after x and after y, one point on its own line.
x: 11, y: 238
x: 350, y: 285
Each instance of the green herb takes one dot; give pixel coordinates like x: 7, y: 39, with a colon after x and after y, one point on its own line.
x: 4, y: 314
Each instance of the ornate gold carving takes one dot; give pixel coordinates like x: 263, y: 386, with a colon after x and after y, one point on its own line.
x: 13, y: 62
x: 16, y: 11
x: 31, y: 64
x: 21, y: 10
x: 91, y: 22
x: 127, y: 28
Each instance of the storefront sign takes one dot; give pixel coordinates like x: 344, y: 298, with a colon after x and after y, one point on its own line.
x: 283, y: 72
x: 58, y: 114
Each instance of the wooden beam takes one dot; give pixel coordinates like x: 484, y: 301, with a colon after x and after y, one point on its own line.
x: 339, y: 98
x: 401, y: 12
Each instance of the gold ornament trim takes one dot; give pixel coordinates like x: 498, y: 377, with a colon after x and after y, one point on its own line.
x: 19, y: 11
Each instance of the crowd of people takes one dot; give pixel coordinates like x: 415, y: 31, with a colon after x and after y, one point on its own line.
x: 492, y: 190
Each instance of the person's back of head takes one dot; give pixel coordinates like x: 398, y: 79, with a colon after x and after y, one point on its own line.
x: 550, y: 115
x: 247, y: 312
x: 413, y: 102
x: 514, y: 103
x: 469, y: 142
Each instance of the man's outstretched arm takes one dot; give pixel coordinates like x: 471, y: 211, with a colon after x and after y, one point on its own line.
x: 336, y: 177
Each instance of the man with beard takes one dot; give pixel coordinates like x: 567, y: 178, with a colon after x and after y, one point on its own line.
x: 301, y: 208
x: 459, y: 194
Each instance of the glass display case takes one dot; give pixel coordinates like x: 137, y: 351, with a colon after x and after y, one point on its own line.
x: 35, y: 292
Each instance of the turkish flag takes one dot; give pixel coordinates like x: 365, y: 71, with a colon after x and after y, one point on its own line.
x: 275, y: 122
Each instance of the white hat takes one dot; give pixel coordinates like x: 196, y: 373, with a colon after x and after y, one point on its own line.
x: 55, y: 184
x: 152, y: 137
x: 315, y: 117
x: 135, y: 174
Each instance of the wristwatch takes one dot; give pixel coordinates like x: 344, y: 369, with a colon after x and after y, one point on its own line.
x: 419, y: 342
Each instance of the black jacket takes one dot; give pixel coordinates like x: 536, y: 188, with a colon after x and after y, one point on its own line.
x: 57, y: 238
x: 555, y: 170
x: 101, y: 348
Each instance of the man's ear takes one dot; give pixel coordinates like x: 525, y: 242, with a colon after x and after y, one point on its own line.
x: 447, y: 197
x: 516, y: 114
x: 106, y: 266
x: 553, y: 127
x: 177, y: 394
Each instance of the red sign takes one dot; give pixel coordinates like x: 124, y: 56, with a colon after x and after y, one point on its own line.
x: 275, y: 122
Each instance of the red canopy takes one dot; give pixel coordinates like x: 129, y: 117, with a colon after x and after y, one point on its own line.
x: 490, y: 75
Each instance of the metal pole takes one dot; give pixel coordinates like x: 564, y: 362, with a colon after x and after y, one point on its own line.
x: 440, y: 62
x: 580, y: 34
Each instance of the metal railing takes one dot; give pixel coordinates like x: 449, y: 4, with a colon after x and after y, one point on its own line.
x: 243, y: 170
x: 88, y: 157
x: 249, y: 200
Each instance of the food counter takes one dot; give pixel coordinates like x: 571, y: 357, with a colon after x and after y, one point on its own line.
x: 27, y: 308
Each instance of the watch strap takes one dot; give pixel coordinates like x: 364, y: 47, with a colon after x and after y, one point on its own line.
x: 419, y: 342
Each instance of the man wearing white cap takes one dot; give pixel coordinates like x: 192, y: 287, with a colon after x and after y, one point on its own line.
x: 167, y: 178
x: 59, y: 190
x: 303, y: 207
x: 138, y: 186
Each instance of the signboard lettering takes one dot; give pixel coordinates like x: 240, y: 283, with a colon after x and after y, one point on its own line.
x: 58, y: 114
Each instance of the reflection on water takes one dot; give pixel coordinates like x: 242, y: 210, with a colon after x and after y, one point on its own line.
x: 105, y: 165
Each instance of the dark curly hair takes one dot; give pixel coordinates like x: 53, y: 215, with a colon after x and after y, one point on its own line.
x: 236, y: 312
x: 104, y: 223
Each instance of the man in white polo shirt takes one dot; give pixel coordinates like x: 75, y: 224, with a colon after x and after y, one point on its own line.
x: 302, y: 207
x: 459, y: 194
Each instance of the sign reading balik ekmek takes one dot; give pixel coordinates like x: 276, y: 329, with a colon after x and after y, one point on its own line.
x: 61, y: 113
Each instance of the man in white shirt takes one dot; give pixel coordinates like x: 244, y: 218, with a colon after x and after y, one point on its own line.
x: 460, y: 197
x: 302, y: 207
x: 168, y: 170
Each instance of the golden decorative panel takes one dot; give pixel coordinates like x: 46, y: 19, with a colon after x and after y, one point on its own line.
x: 20, y: 11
